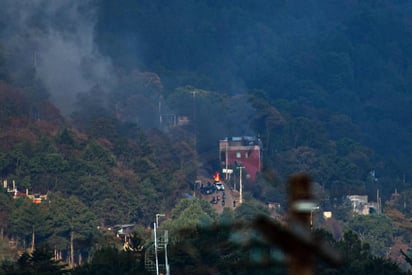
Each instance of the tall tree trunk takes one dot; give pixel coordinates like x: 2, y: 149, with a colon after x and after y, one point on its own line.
x: 71, y: 248
x: 32, y: 240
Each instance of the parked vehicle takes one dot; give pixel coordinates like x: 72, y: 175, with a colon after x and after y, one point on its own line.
x: 208, y: 189
x: 219, y: 186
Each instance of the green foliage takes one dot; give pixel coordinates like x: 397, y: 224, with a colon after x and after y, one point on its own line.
x: 109, y: 260
x: 404, y: 202
x: 325, y: 83
x: 5, y: 209
x: 6, y: 253
x: 250, y: 209
x: 53, y: 221
x: 357, y: 257
x: 352, y: 248
x: 189, y: 214
x: 65, y: 137
x: 39, y: 262
x: 71, y: 218
x: 316, y: 96
x: 97, y: 154
x: 28, y: 218
x: 219, y: 247
x: 376, y: 230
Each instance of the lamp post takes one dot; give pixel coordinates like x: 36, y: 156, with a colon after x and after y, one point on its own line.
x: 311, y: 216
x: 156, y: 225
x: 155, y: 244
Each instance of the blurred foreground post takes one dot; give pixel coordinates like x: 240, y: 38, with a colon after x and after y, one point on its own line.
x: 301, y: 205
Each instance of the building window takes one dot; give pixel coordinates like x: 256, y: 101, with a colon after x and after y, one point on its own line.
x: 238, y: 155
x: 246, y: 155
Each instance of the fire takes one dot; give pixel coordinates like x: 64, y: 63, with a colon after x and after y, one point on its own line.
x: 216, y: 177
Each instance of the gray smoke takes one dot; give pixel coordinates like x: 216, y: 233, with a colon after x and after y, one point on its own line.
x: 61, y: 37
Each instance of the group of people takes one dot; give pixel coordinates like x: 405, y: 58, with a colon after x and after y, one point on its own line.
x: 216, y: 199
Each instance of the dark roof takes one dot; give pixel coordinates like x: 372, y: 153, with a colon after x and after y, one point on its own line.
x: 244, y: 140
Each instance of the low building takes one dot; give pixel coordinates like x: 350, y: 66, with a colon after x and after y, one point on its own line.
x: 35, y: 198
x: 361, y: 206
x: 241, y: 151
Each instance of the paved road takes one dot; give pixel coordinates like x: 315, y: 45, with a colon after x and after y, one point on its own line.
x: 230, y: 196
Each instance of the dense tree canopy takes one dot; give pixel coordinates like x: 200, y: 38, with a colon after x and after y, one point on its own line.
x: 146, y: 90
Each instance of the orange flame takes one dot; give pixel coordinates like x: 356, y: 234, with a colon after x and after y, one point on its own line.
x: 216, y: 177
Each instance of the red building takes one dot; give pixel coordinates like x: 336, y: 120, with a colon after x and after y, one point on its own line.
x: 241, y: 151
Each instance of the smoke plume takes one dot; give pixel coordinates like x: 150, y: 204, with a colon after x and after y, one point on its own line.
x: 60, y: 42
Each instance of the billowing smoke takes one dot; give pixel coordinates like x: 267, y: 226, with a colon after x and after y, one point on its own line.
x: 63, y: 53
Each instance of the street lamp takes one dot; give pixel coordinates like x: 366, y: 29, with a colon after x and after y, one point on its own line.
x: 311, y: 216
x: 156, y: 225
x: 306, y: 206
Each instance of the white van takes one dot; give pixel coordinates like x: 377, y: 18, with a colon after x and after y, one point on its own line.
x: 219, y: 186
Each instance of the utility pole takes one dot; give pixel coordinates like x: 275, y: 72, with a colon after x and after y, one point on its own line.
x: 240, y: 184
x: 226, y: 157
x: 234, y: 181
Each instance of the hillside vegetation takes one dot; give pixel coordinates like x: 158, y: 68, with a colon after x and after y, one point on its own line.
x: 85, y: 90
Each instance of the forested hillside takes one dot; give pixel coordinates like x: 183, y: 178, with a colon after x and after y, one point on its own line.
x: 86, y: 88
x: 336, y: 71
